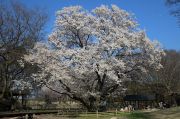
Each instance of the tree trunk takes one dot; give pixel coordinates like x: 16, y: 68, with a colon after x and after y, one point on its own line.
x: 3, y: 89
x: 173, y: 98
x: 92, y: 104
x: 95, y: 104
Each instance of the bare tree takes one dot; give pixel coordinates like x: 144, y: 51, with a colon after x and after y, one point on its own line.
x: 175, y: 8
x: 20, y: 28
x: 166, y: 81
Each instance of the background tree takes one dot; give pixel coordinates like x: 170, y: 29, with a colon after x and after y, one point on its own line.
x: 166, y: 81
x: 90, y: 54
x: 20, y: 28
x: 137, y: 85
x: 175, y: 8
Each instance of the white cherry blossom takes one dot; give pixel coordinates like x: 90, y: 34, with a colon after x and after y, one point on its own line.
x: 90, y: 54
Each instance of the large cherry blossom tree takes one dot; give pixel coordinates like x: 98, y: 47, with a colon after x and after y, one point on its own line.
x: 90, y: 54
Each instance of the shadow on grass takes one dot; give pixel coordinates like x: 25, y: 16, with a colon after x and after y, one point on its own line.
x: 138, y: 115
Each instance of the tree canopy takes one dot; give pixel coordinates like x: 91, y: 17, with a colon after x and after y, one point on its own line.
x: 91, y: 53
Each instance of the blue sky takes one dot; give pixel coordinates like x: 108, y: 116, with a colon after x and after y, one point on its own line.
x: 152, y: 15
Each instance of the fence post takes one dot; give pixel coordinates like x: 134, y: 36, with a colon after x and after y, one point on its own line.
x: 97, y: 113
x: 86, y: 113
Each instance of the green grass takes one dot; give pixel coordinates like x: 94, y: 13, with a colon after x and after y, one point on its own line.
x: 109, y: 115
x: 172, y: 113
x: 137, y: 115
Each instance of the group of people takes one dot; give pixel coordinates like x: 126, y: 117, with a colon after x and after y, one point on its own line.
x: 163, y: 105
x: 128, y: 108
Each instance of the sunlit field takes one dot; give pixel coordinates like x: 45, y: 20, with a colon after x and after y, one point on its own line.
x: 102, y: 115
x: 172, y: 113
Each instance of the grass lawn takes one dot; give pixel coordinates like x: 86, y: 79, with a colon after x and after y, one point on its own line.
x: 121, y: 115
x: 172, y: 113
x: 102, y: 115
